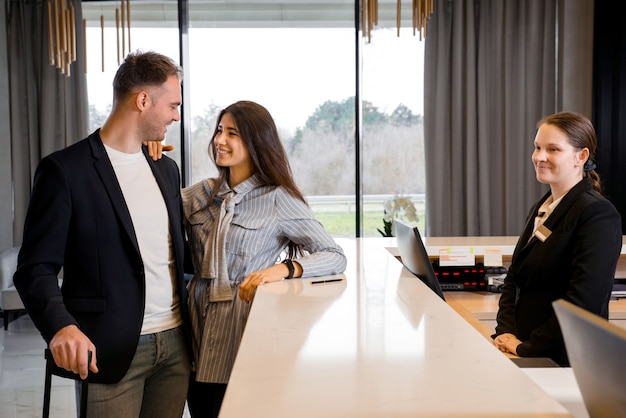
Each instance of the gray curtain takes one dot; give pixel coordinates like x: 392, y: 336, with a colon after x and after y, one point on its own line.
x: 490, y: 75
x: 48, y: 110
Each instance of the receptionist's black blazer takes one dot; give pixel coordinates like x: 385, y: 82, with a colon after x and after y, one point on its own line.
x: 576, y: 262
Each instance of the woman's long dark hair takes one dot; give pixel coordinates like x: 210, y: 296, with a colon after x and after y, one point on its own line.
x: 269, y: 160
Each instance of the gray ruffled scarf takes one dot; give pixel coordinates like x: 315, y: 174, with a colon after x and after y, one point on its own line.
x: 214, y: 262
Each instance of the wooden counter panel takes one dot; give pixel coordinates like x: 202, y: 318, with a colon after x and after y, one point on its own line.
x: 484, y: 307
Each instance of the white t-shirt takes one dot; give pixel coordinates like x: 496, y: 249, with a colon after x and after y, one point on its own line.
x: 150, y: 220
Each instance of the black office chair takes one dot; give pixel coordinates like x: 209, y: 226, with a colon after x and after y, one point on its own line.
x: 53, y: 369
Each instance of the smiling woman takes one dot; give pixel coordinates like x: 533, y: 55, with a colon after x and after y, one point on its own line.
x: 240, y: 224
x: 558, y: 161
x: 569, y: 247
x: 231, y: 152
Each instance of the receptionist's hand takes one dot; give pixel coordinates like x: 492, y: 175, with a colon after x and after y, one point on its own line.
x: 156, y: 148
x: 507, y: 343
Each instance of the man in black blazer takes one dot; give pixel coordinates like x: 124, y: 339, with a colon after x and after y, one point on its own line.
x: 111, y: 217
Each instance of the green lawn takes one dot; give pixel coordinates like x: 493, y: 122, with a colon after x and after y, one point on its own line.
x: 342, y: 224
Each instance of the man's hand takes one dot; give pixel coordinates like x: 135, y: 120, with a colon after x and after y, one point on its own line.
x: 156, y: 148
x: 70, y: 348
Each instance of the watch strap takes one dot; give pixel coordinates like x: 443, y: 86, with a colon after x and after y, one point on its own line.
x: 291, y: 268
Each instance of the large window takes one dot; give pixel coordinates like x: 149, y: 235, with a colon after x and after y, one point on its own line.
x: 393, y: 134
x: 292, y: 72
x: 305, y: 77
x: 299, y: 61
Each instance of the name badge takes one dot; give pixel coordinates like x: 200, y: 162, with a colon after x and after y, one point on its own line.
x: 542, y: 233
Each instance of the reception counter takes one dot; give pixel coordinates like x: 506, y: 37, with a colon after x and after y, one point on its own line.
x: 483, y: 306
x: 378, y: 343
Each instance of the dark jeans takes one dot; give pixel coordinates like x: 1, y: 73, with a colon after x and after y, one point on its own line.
x: 154, y: 386
x: 204, y: 399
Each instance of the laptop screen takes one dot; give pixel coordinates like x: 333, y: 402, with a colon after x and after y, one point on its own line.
x: 596, y: 350
x: 414, y: 256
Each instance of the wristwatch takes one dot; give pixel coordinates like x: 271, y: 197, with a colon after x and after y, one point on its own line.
x: 291, y: 268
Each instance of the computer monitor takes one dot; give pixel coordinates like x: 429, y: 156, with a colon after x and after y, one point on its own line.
x: 597, y: 354
x: 414, y: 256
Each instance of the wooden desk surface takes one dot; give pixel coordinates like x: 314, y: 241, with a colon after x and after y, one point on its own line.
x: 484, y: 305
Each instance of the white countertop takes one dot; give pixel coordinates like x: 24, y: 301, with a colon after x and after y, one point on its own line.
x: 377, y: 344
x: 560, y: 383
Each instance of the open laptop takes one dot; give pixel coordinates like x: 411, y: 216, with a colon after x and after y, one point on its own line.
x: 597, y: 354
x: 414, y: 256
